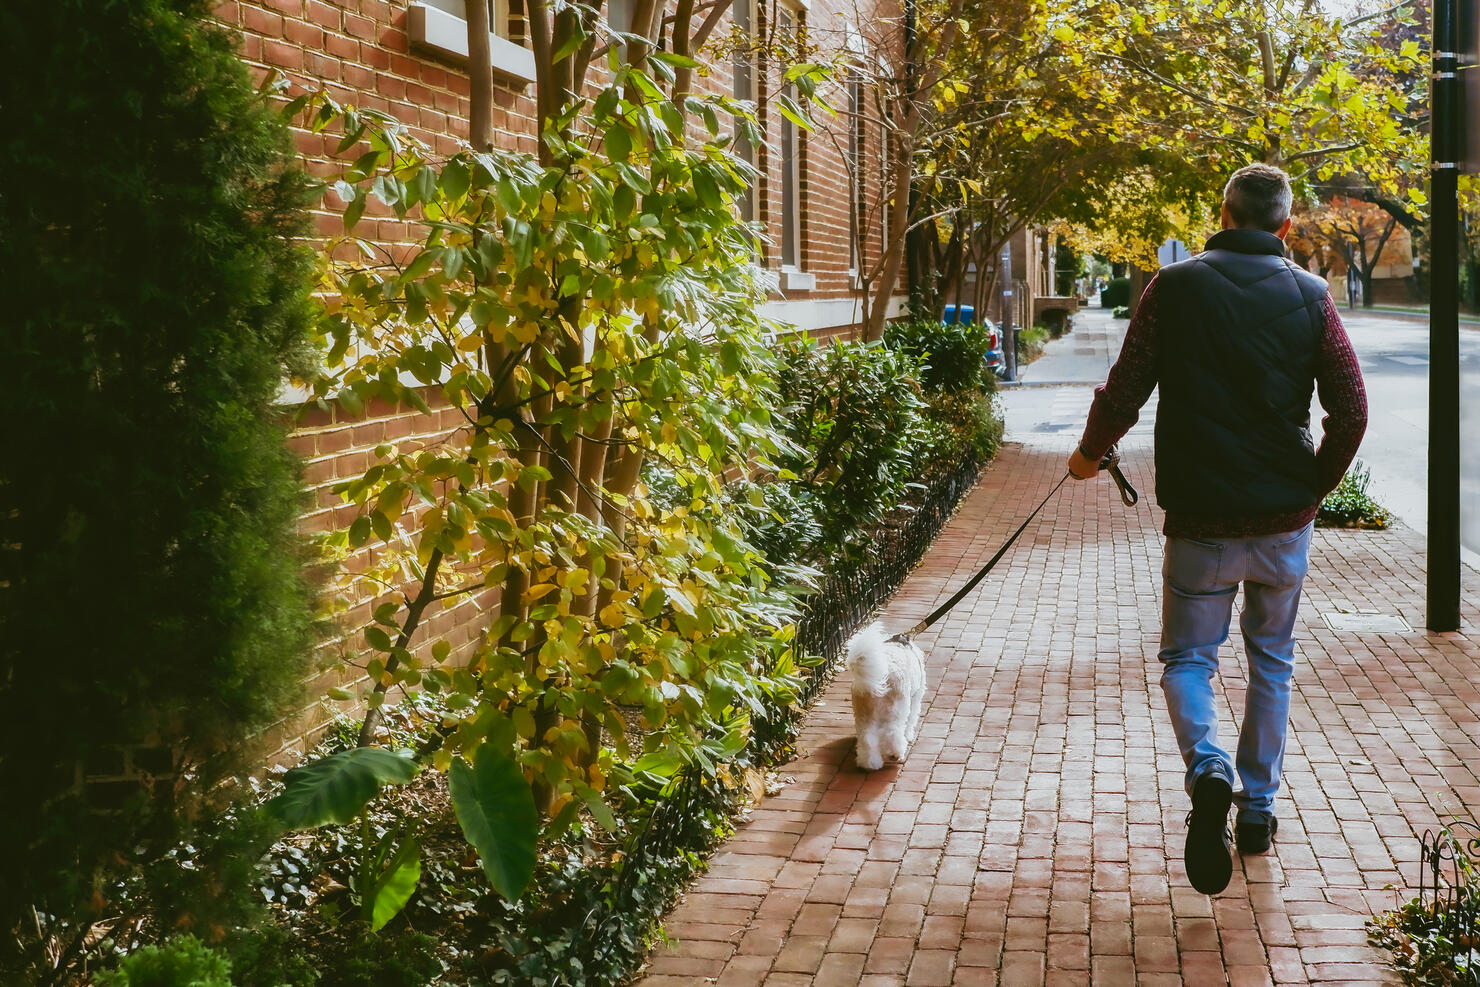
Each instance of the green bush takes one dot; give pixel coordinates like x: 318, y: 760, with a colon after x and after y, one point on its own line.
x: 957, y: 425
x: 852, y: 413
x: 1116, y: 293
x: 951, y: 355
x: 155, y: 298
x: 1121, y: 312
x: 861, y: 438
x: 1350, y: 506
x: 1030, y: 343
x: 182, y: 962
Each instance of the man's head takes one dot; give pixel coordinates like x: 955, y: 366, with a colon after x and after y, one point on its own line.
x: 1258, y: 198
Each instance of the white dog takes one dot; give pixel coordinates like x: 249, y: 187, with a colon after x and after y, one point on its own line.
x: 888, y: 684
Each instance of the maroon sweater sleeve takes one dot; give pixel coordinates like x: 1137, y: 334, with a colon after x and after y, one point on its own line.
x: 1118, y: 401
x: 1344, y: 398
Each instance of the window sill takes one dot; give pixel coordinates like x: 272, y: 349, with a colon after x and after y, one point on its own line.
x: 793, y: 279
x: 441, y: 34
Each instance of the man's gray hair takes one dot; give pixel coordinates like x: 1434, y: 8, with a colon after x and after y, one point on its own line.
x: 1258, y: 197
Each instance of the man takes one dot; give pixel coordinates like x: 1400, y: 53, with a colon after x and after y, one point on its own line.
x: 1236, y: 337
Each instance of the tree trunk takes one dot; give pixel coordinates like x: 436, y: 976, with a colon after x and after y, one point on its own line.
x: 899, y: 223
x: 480, y: 77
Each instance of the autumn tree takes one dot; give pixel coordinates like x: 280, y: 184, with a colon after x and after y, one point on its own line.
x: 894, y: 69
x: 1287, y: 82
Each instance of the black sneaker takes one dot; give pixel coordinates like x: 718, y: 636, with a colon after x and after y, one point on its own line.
x: 1254, y: 831
x: 1209, y: 862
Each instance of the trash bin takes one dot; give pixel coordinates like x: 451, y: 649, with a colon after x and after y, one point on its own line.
x: 965, y: 313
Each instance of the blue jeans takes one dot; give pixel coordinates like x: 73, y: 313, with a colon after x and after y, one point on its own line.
x: 1200, y: 579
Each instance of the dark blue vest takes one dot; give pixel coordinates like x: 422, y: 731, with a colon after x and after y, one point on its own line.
x: 1238, y: 333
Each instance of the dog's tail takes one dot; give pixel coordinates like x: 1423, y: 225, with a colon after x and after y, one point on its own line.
x: 868, y: 657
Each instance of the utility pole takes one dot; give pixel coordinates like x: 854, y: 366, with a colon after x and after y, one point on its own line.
x: 1447, y: 150
x: 1009, y: 334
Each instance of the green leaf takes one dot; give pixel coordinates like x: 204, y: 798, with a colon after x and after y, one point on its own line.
x: 396, y: 885
x: 792, y: 112
x: 568, y: 47
x: 707, y: 190
x: 336, y: 788
x: 618, y: 142
x: 354, y: 210
x: 600, y: 811
x: 455, y: 179
x: 495, y: 809
x: 424, y: 185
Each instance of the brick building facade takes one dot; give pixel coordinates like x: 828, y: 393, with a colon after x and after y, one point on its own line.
x: 407, y: 58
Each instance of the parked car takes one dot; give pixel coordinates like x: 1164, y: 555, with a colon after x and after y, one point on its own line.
x: 994, y: 361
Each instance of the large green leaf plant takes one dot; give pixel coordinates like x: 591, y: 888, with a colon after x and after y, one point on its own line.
x: 584, y: 309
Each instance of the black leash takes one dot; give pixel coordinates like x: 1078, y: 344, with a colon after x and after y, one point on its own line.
x: 1128, y: 496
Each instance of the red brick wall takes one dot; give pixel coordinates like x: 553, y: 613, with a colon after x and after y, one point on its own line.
x: 359, y: 50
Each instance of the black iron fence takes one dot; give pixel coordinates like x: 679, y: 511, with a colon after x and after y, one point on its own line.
x: 1448, y: 882
x: 849, y: 595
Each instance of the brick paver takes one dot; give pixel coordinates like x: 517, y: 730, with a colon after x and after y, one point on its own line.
x: 1034, y: 836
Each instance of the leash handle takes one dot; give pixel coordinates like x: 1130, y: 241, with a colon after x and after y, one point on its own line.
x: 1111, y: 464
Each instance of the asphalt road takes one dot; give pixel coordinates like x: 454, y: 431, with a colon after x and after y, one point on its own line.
x: 1393, y: 351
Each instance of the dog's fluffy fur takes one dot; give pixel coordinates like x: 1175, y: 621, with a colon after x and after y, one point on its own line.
x: 888, y: 685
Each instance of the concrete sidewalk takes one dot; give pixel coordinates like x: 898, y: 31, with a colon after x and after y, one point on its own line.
x: 1034, y: 836
x: 1081, y: 356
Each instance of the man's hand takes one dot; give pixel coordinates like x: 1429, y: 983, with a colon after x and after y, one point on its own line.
x: 1081, y: 467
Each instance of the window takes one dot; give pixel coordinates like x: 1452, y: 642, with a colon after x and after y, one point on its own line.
x: 742, y: 72
x: 856, y: 165
x: 791, y: 165
x: 619, y: 15
x: 439, y: 28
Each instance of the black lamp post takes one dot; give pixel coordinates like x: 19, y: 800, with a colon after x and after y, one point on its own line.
x: 1447, y: 142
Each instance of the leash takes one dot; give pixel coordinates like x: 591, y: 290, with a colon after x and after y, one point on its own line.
x: 1128, y: 496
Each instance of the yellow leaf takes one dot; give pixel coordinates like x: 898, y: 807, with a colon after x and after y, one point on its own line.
x: 538, y: 591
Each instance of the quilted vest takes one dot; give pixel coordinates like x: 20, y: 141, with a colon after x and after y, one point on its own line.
x: 1238, y: 336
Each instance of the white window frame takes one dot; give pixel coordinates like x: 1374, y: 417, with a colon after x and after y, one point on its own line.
x: 742, y: 88
x: 436, y: 30
x: 793, y: 277
x: 857, y: 163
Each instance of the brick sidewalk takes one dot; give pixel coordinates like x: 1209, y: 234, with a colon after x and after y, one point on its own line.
x: 1034, y: 836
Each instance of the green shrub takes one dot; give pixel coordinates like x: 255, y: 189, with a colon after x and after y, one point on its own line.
x: 182, y: 962
x: 1056, y: 321
x: 955, y: 426
x: 1030, y: 343
x: 951, y: 355
x: 1121, y: 312
x: 1116, y: 293
x: 1350, y: 506
x: 852, y: 414
x: 155, y: 297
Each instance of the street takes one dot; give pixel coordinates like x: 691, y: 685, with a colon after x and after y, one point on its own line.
x: 1393, y: 350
